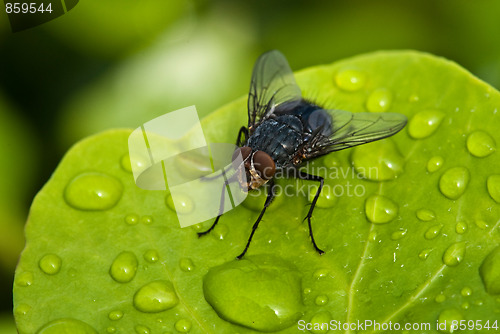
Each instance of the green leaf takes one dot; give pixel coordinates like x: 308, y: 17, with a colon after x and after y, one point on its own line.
x: 409, y: 224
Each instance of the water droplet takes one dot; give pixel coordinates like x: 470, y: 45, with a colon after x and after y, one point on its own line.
x: 24, y: 279
x: 186, y: 264
x: 465, y: 305
x: 124, y: 267
x: 125, y: 163
x: 141, y: 329
x: 481, y: 224
x: 115, y: 315
x: 307, y: 291
x: 413, y: 98
x: 372, y: 236
x: 151, y: 256
x: 433, y: 231
x: 424, y: 254
x: 480, y: 144
x: 425, y: 123
x: 255, y: 201
x: 461, y: 227
x: 434, y: 164
x: 440, y: 298
x: 350, y: 80
x: 220, y: 231
x: 380, y: 209
x: 447, y: 317
x: 131, y: 219
x: 319, y: 322
x: 466, y: 291
x: 183, y: 325
x: 50, y: 264
x: 321, y: 300
x: 261, y: 292
x: 147, y: 220
x: 66, y: 326
x: 184, y: 203
x: 490, y: 272
x: 320, y: 273
x: 326, y: 199
x: 425, y: 215
x: 454, y: 181
x: 379, y: 100
x: 478, y: 302
x: 22, y: 309
x: 156, y: 296
x: 397, y: 235
x: 111, y: 329
x: 379, y: 161
x: 454, y: 254
x: 331, y: 161
x: 493, y: 184
x: 93, y: 191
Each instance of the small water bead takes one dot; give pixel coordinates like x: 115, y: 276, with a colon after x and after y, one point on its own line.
x: 481, y: 224
x: 131, y: 219
x: 24, y: 279
x: 397, y: 235
x: 141, y: 329
x: 220, y: 231
x: 93, y: 191
x: 156, y: 296
x: 465, y: 305
x: 424, y: 254
x: 183, y: 325
x: 50, y: 264
x: 379, y: 100
x: 466, y: 291
x: 307, y: 291
x: 151, y: 256
x: 186, y: 264
x: 461, y: 227
x: 66, y: 325
x: 413, y: 98
x: 493, y: 185
x: 480, y: 144
x: 115, y: 315
x: 326, y: 199
x: 111, y: 329
x: 440, y: 298
x: 379, y: 161
x: 350, y: 80
x: 454, y: 181
x: 147, y: 220
x: 255, y: 201
x: 454, y: 254
x: 425, y: 215
x: 124, y: 267
x: 425, y: 123
x: 380, y: 209
x: 320, y: 273
x: 321, y: 300
x: 22, y: 309
x: 125, y: 163
x: 478, y: 302
x: 433, y: 232
x: 447, y: 317
x: 319, y: 322
x: 183, y: 204
x: 434, y: 164
x: 490, y: 272
x: 331, y: 161
x: 372, y: 236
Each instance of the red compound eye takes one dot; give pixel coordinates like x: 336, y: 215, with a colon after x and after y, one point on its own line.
x: 264, y: 165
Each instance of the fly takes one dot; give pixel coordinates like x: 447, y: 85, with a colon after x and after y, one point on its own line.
x: 285, y: 130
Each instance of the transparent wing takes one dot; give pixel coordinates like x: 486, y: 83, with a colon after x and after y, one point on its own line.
x: 272, y: 84
x: 351, y: 129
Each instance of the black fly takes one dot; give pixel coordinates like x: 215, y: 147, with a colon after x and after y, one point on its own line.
x: 284, y: 130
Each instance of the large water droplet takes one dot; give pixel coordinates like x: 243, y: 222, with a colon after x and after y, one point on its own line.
x: 379, y: 161
x: 454, y: 181
x: 425, y: 215
x: 184, y: 203
x: 115, y: 315
x: 72, y: 326
x: 183, y: 325
x: 350, y: 80
x: 320, y: 322
x: 447, y: 318
x: 326, y: 199
x: 260, y: 292
x: 424, y: 123
x: 434, y: 164
x: 480, y: 144
x: 493, y: 185
x: 380, y: 209
x: 151, y: 256
x: 379, y: 100
x: 93, y: 191
x: 461, y: 227
x: 124, y: 267
x: 433, y: 231
x: 50, y: 264
x: 490, y: 272
x: 454, y: 254
x: 155, y: 297
x: 186, y: 264
x: 24, y: 278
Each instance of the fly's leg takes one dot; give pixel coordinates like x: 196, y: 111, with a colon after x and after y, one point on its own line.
x: 221, y: 211
x: 305, y: 176
x: 243, y: 131
x: 269, y: 199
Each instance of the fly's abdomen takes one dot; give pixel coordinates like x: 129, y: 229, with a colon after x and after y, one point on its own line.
x: 280, y: 138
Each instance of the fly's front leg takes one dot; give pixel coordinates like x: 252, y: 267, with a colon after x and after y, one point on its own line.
x: 243, y: 131
x: 221, y: 211
x: 308, y: 177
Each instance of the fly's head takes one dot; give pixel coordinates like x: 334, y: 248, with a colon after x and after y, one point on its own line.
x: 258, y: 167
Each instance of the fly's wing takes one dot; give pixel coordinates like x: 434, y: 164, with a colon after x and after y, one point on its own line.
x: 351, y: 129
x: 272, y: 84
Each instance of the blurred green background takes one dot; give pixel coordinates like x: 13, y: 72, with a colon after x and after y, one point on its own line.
x: 120, y: 63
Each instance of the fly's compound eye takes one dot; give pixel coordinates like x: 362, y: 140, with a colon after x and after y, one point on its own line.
x: 264, y: 165
x: 245, y: 153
